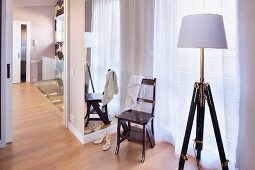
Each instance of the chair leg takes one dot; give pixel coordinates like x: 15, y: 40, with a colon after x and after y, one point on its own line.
x: 152, y: 126
x: 129, y: 127
x: 102, y: 116
x: 87, y: 114
x: 124, y: 125
x: 118, y: 137
x: 144, y: 143
x: 152, y: 131
x: 151, y: 137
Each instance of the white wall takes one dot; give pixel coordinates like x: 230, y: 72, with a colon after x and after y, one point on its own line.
x: 42, y: 30
x: 19, y: 3
x: 246, y: 142
x: 76, y: 63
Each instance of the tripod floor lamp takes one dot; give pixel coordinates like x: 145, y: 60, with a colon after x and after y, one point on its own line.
x: 202, y: 31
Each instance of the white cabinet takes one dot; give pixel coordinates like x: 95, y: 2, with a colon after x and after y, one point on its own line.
x: 16, y: 51
x: 60, y: 32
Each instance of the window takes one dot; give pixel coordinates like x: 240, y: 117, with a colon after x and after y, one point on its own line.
x: 178, y: 69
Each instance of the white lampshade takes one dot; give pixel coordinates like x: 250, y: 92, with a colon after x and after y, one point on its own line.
x: 90, y: 40
x: 202, y: 31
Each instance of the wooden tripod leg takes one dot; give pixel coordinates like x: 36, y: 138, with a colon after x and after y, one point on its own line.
x: 199, y: 129
x: 224, y: 161
x: 192, y: 110
x: 118, y: 137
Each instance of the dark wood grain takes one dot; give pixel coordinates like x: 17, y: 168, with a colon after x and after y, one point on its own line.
x: 144, y: 133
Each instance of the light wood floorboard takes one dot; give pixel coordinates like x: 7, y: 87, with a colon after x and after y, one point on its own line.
x: 41, y: 142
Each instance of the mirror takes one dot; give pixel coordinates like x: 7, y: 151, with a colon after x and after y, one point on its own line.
x: 124, y: 44
x: 36, y: 33
x: 99, y: 113
x: 50, y: 69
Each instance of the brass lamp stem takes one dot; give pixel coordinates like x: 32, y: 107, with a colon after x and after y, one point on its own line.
x: 201, y: 83
x: 201, y: 65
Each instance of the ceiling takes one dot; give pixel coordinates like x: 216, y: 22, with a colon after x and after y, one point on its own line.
x: 23, y: 3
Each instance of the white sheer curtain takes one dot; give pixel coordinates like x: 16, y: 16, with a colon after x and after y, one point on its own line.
x: 178, y: 69
x: 106, y: 25
x: 136, y: 40
x: 125, y: 35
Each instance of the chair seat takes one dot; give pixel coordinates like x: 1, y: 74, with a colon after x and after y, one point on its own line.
x: 135, y: 116
x: 96, y: 97
x: 93, y: 107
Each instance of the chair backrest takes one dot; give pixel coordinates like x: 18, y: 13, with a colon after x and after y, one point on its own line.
x: 90, y: 78
x: 152, y: 83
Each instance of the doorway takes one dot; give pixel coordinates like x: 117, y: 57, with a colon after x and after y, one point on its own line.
x: 7, y: 12
x: 21, y: 51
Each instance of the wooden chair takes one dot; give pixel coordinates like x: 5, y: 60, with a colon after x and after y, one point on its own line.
x: 93, y: 107
x: 145, y: 132
x: 94, y: 101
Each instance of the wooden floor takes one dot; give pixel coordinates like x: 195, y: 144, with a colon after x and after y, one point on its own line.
x: 40, y: 142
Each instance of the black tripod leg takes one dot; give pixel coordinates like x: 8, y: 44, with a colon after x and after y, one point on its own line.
x: 118, y: 137
x: 224, y: 161
x: 185, y: 144
x: 199, y: 129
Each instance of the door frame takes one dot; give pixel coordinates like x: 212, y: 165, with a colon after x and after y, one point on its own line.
x: 0, y: 72
x: 6, y: 83
x: 66, y: 65
x: 28, y: 24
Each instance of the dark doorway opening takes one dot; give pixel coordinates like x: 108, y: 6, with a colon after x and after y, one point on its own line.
x: 23, y: 67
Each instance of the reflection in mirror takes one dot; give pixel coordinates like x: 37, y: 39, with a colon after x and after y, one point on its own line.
x: 49, y: 67
x: 124, y: 31
x: 101, y: 70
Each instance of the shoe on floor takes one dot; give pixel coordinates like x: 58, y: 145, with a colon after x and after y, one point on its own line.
x: 96, y: 127
x: 99, y: 140
x: 87, y: 131
x: 107, y: 144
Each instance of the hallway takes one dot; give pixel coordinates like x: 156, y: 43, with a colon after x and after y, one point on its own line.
x: 39, y: 137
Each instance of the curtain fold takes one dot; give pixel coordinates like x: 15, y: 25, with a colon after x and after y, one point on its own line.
x: 164, y: 64
x: 178, y: 69
x: 136, y: 26
x: 125, y: 36
x: 106, y: 25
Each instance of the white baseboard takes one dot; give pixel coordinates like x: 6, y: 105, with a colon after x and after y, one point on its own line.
x: 92, y: 136
x: 75, y: 132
